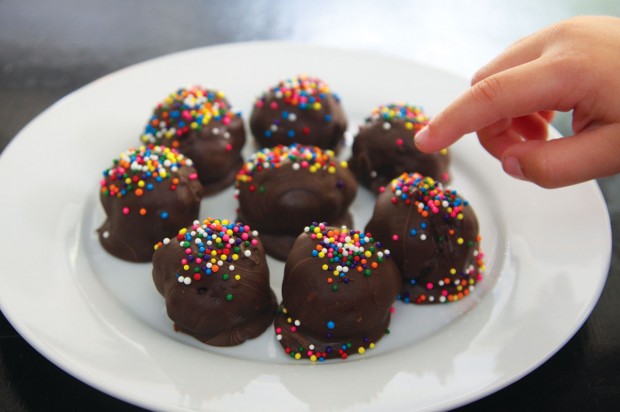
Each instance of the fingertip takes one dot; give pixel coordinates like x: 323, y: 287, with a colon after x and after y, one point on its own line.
x: 421, y: 139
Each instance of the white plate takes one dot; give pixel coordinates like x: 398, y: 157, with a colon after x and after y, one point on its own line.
x: 101, y: 319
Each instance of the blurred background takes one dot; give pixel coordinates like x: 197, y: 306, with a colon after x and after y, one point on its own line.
x: 49, y: 48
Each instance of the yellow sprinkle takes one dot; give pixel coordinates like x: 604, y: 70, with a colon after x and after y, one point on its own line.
x: 460, y: 241
x: 443, y: 151
x: 298, y: 356
x: 313, y: 358
x: 186, y: 267
x: 235, y: 257
x: 409, y: 125
x: 361, y: 350
x: 372, y: 345
x: 331, y: 169
x: 325, y: 267
x: 460, y: 216
x: 344, y: 163
x: 237, y: 277
x: 453, y: 271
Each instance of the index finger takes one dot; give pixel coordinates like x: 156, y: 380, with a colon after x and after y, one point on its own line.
x: 528, y: 88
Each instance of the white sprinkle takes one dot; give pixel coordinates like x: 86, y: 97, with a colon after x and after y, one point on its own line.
x: 295, y: 166
x: 279, y: 337
x: 106, y: 234
x: 422, y: 236
x: 187, y: 280
x: 166, y: 241
x: 231, y: 267
x: 215, y: 130
x: 442, y: 299
x: 297, y: 323
x: 292, y: 117
x: 247, y: 253
x: 255, y: 233
x: 373, y: 174
x: 387, y: 126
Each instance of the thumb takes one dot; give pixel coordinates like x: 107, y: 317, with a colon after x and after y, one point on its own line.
x: 595, y: 152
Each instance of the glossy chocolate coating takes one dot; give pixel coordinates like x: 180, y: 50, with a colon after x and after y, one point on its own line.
x: 436, y: 247
x: 136, y: 222
x: 383, y: 148
x: 329, y: 315
x: 223, y: 306
x: 280, y: 201
x: 299, y: 110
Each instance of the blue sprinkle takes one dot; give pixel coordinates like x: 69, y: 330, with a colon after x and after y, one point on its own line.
x: 164, y: 215
x: 328, y: 117
x: 331, y: 324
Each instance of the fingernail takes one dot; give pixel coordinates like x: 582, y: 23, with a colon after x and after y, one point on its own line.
x: 512, y: 166
x: 421, y: 137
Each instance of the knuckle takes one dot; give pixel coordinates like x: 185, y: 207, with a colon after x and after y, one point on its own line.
x: 488, y: 89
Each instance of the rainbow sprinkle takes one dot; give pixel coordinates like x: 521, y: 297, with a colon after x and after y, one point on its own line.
x: 310, y: 158
x: 186, y: 110
x: 413, y: 116
x: 137, y: 171
x: 211, y: 249
x: 345, y: 250
x: 303, y: 91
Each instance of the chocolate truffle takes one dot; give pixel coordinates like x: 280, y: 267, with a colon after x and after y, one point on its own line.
x: 299, y: 110
x: 433, y: 235
x: 338, y: 289
x: 147, y: 194
x: 282, y: 189
x: 201, y: 124
x: 384, y: 148
x: 215, y: 280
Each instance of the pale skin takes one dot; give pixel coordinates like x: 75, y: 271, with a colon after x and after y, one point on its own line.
x: 573, y: 65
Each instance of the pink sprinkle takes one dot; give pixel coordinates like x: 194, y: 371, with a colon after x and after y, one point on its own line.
x: 188, y: 251
x: 193, y: 176
x: 226, y: 120
x: 229, y: 147
x: 184, y: 261
x: 394, y: 238
x: 125, y: 210
x: 254, y: 242
x: 429, y: 286
x: 259, y: 103
x: 273, y: 105
x: 399, y: 142
x: 293, y: 328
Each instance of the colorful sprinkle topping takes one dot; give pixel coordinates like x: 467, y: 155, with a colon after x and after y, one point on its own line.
x: 310, y: 158
x: 211, y: 249
x: 304, y: 92
x: 427, y: 195
x: 137, y: 171
x: 413, y: 116
x: 185, y: 110
x: 345, y: 251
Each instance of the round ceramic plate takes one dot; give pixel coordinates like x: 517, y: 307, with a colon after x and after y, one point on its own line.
x: 101, y: 319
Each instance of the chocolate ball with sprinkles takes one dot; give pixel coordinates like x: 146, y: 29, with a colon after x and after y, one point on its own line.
x: 200, y: 123
x: 337, y: 294
x: 147, y: 194
x: 281, y: 189
x: 301, y: 109
x: 215, y: 281
x: 434, y: 237
x: 383, y: 148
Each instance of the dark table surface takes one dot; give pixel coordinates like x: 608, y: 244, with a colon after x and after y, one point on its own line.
x: 51, y: 48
